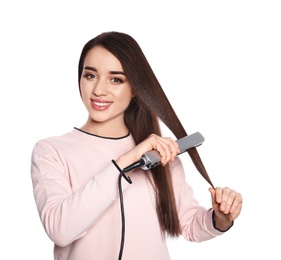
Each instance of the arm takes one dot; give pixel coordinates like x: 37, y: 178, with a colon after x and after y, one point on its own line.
x: 66, y: 214
x: 69, y: 207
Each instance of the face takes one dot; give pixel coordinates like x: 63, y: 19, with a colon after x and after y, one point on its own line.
x: 105, y: 91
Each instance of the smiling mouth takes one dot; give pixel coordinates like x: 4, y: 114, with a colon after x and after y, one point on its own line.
x: 100, y: 105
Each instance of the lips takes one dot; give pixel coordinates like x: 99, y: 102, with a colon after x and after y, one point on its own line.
x: 100, y: 105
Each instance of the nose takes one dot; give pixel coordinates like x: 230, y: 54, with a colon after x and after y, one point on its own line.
x: 100, y: 88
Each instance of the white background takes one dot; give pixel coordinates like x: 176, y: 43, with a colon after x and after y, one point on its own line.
x: 219, y: 63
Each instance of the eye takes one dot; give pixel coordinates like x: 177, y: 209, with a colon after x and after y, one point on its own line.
x: 89, y: 76
x: 117, y: 80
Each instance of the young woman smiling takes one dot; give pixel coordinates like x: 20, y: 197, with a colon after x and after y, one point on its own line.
x: 75, y: 175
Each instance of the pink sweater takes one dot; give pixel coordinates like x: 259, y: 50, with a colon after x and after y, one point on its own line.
x: 76, y: 193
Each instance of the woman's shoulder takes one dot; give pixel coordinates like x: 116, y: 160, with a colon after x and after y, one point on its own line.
x: 55, y: 142
x: 77, y: 139
x: 57, y: 138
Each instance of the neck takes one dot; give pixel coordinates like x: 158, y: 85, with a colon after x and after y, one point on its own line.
x: 105, y: 129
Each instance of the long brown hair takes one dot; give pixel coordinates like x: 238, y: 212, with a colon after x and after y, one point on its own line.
x: 143, y: 115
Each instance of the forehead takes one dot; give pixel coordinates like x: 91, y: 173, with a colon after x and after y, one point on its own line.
x: 100, y: 58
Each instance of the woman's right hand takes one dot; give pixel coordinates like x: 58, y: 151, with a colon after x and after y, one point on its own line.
x: 166, y: 146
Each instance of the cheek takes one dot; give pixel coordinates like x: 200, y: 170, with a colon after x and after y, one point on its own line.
x: 84, y: 88
x: 84, y: 94
x: 126, y: 97
x: 127, y: 92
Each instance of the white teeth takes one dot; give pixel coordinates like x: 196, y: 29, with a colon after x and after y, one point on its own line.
x: 101, y: 104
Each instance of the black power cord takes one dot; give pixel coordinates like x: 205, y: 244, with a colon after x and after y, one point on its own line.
x: 121, y: 206
x: 122, y: 217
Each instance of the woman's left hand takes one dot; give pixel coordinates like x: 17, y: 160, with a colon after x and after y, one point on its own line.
x: 227, y: 205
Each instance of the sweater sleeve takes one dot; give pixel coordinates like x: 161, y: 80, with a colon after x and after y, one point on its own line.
x: 67, y: 215
x: 195, y: 220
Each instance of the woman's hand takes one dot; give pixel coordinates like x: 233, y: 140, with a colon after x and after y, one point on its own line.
x: 227, y: 205
x: 166, y: 146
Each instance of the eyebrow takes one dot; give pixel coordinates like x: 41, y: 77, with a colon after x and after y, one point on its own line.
x: 111, y: 72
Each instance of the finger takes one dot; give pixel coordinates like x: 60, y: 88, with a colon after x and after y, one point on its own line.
x: 221, y: 197
x: 213, y: 196
x: 167, y: 148
x: 237, y: 204
x: 228, y: 197
x: 230, y: 201
x: 173, y: 148
x: 218, y: 195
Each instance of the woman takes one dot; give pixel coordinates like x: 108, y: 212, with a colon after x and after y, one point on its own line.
x: 75, y: 176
